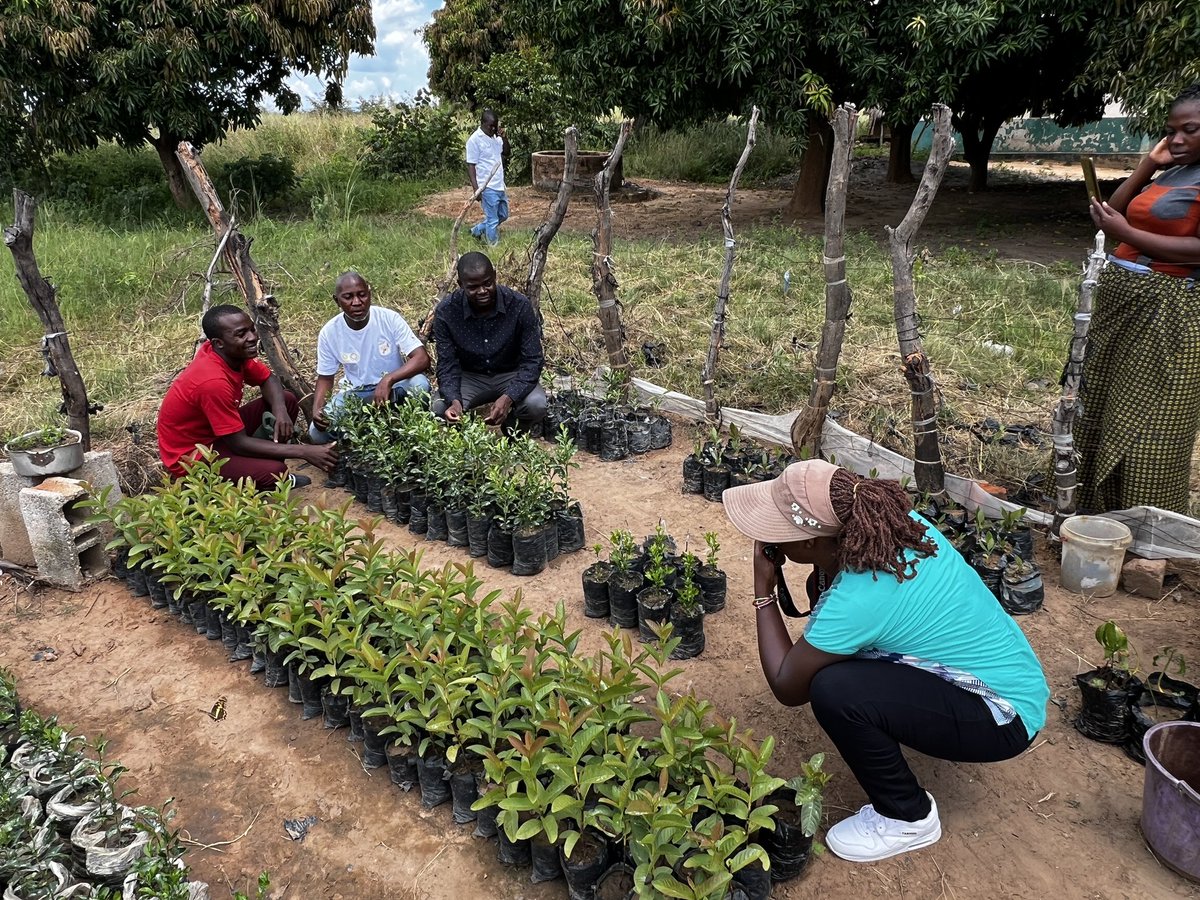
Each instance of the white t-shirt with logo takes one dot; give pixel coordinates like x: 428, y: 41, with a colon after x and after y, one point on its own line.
x: 368, y: 354
x: 484, y: 152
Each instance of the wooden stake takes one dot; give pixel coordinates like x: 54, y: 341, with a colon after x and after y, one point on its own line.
x: 708, y: 374
x: 927, y: 456
x: 443, y: 286
x: 43, y: 297
x: 806, y: 429
x: 261, y: 304
x: 548, y: 229
x: 604, y: 281
x: 1065, y: 470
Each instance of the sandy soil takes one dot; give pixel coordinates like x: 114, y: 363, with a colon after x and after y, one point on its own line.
x: 1060, y: 821
x: 1033, y: 210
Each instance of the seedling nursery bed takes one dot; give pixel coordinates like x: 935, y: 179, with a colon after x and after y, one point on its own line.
x: 1061, y: 819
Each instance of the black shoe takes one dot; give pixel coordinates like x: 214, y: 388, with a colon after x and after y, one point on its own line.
x: 299, y: 481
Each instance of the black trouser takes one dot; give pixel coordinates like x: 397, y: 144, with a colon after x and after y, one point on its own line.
x: 870, y: 707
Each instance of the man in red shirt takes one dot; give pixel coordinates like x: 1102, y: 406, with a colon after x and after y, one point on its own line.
x: 203, y: 407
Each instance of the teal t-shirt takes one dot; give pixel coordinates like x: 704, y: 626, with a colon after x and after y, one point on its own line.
x: 944, y: 619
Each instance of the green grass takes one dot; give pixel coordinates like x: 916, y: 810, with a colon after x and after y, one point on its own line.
x: 130, y: 292
x: 707, y: 153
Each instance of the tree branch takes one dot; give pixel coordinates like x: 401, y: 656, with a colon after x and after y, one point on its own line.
x: 260, y: 303
x: 708, y: 374
x: 548, y: 229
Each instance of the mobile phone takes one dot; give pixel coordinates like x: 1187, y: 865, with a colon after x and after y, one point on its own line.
x: 1089, y: 178
x: 771, y: 552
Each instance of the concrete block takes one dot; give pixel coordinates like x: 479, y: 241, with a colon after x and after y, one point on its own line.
x: 1144, y: 577
x: 98, y: 470
x: 14, y: 538
x: 66, y: 549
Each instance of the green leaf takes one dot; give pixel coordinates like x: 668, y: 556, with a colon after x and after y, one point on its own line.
x: 529, y: 829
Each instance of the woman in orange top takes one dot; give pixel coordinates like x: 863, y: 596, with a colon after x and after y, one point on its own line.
x: 1141, y: 375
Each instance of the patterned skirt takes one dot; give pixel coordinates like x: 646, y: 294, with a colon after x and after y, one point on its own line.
x: 1140, y: 392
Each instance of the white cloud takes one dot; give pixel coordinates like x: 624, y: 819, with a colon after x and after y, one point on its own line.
x: 399, y: 68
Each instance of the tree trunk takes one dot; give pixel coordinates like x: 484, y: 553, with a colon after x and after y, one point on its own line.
x: 548, y: 229
x: 708, y: 374
x: 1065, y: 468
x: 927, y: 456
x: 978, y: 134
x: 900, y: 154
x: 809, y: 193
x: 261, y: 304
x: 806, y: 429
x: 43, y: 298
x: 604, y: 280
x: 177, y: 181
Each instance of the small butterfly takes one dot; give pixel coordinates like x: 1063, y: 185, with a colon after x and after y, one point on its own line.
x: 217, y: 713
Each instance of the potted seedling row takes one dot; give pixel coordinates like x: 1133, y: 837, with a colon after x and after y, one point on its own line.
x: 717, y: 463
x: 1118, y: 707
x: 649, y: 588
x: 999, y: 550
x: 607, y: 427
x: 479, y: 704
x: 82, y: 841
x: 499, y: 497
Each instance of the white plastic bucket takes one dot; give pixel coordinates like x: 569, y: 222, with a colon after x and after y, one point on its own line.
x: 1092, y: 554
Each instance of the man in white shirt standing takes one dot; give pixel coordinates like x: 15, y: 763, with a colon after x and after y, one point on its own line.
x: 487, y: 148
x: 380, y: 356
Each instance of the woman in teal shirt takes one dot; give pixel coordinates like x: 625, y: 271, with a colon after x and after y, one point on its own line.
x: 905, y: 644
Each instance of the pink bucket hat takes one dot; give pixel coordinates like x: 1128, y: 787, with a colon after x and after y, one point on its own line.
x: 793, y: 507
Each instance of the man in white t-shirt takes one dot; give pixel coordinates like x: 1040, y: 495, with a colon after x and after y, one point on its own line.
x: 380, y: 357
x: 487, y: 149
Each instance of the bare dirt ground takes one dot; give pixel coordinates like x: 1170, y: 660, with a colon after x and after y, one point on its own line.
x: 1060, y: 821
x: 1034, y: 210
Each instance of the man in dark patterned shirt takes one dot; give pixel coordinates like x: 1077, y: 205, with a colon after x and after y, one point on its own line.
x: 489, y: 349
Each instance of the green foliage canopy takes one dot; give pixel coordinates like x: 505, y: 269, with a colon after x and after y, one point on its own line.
x: 681, y: 62
x: 1145, y: 53
x: 462, y: 39
x: 76, y: 72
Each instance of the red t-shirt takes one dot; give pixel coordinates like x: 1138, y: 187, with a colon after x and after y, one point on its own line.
x: 202, y: 405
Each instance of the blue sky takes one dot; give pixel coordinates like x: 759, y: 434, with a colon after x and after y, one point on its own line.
x: 400, y: 63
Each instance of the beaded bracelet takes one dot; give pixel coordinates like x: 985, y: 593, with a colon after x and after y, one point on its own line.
x: 762, y: 602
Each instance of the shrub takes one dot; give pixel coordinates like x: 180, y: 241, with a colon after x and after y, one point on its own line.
x: 258, y: 182
x: 415, y: 140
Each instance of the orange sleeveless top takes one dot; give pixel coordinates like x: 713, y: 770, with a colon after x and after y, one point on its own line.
x: 1170, y: 206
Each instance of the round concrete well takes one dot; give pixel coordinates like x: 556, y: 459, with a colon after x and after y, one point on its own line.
x: 547, y: 166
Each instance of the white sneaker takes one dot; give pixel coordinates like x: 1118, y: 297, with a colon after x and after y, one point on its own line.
x: 868, y: 836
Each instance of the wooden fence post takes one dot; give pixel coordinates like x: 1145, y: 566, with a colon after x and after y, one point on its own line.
x: 604, y: 281
x: 261, y: 304
x: 1065, y: 469
x: 43, y: 298
x: 708, y: 375
x: 927, y: 456
x: 806, y: 429
x: 548, y: 229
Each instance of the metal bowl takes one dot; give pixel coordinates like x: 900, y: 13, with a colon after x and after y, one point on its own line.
x: 46, y: 461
